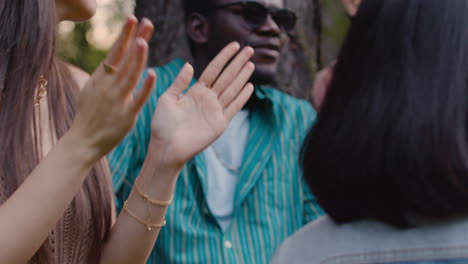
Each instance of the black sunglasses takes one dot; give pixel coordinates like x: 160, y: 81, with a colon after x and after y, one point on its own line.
x: 256, y: 14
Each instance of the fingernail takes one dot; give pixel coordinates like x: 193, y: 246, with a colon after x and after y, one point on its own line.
x: 187, y: 65
x: 131, y: 18
x: 151, y: 73
x: 143, y: 22
x: 236, y: 44
x: 146, y: 20
x: 140, y: 42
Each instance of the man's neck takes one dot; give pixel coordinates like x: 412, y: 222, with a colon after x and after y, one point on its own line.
x: 200, y: 63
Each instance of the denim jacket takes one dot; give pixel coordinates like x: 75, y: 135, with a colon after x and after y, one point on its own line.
x: 365, y: 242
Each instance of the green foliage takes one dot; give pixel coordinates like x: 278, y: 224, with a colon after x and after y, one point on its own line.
x: 335, y: 25
x: 76, y: 49
x: 339, y: 22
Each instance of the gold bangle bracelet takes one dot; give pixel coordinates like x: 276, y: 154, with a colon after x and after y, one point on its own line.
x: 148, y: 200
x: 147, y: 223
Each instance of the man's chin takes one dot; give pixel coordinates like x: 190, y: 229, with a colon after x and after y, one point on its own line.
x: 263, y: 76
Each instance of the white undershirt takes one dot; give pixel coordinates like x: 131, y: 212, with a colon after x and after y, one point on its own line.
x: 223, y: 159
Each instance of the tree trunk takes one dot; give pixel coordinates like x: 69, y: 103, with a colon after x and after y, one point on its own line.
x: 169, y: 40
x: 299, y: 60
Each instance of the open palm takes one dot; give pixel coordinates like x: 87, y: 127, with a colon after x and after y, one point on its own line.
x: 188, y: 123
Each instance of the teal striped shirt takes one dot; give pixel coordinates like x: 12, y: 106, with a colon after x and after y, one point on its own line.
x: 271, y: 200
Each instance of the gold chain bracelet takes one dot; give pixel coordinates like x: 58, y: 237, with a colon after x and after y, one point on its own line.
x: 148, y: 202
x: 147, y: 223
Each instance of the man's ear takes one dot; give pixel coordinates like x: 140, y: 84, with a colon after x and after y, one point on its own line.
x: 198, y: 28
x: 351, y: 6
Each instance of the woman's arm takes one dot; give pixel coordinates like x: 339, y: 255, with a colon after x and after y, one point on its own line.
x: 29, y: 215
x: 182, y: 126
x: 130, y: 241
x: 106, y: 112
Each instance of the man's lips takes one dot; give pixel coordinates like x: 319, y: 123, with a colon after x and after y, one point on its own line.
x: 267, y: 50
x: 267, y: 46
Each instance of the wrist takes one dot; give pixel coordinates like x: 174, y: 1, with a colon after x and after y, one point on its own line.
x: 81, y: 153
x: 163, y: 155
x: 159, y: 169
x: 159, y: 173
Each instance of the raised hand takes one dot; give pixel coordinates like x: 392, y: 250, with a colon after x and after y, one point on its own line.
x: 107, y: 109
x: 185, y: 124
x: 322, y: 82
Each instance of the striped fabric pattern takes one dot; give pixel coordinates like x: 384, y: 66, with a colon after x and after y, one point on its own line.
x: 271, y: 199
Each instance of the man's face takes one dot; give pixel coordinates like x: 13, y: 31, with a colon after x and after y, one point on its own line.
x: 231, y: 23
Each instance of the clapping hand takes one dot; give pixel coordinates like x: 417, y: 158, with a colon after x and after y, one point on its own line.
x: 107, y: 107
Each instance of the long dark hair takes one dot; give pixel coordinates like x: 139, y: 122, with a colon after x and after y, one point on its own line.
x: 391, y: 139
x: 27, y: 51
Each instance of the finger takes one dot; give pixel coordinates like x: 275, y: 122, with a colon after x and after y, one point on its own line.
x: 144, y: 93
x: 329, y: 76
x: 232, y: 70
x: 132, y: 67
x: 145, y: 29
x: 239, y: 102
x: 233, y: 90
x: 216, y: 66
x: 182, y: 81
x: 123, y: 42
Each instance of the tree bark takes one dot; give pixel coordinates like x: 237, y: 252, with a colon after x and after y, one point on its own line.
x: 300, y: 59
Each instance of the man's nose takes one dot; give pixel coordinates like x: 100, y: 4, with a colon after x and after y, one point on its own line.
x: 269, y: 27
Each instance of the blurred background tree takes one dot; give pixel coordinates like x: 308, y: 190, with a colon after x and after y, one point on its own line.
x: 75, y: 48
x: 86, y: 44
x: 319, y: 34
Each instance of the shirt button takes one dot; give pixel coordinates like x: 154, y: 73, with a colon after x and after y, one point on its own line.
x: 227, y: 244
